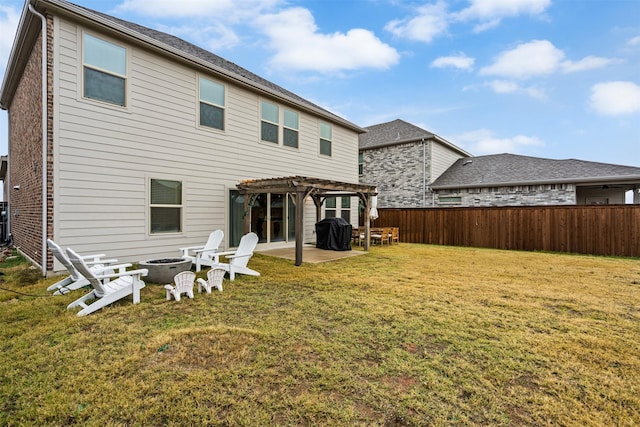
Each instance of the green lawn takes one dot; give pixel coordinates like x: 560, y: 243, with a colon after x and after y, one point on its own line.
x: 404, y: 335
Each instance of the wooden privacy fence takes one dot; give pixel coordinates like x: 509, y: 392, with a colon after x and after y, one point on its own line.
x: 598, y: 230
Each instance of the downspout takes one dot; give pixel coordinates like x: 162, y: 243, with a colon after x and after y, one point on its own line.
x: 45, y: 136
x: 424, y: 174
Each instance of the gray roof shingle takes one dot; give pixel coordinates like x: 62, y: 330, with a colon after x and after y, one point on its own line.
x: 210, y: 58
x: 399, y: 132
x: 512, y: 169
x: 396, y: 131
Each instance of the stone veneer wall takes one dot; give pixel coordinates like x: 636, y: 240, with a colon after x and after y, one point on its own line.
x: 398, y: 172
x: 524, y: 195
x: 25, y: 155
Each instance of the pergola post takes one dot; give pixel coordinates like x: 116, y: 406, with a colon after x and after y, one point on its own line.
x: 304, y: 187
x: 299, y: 225
x: 367, y: 222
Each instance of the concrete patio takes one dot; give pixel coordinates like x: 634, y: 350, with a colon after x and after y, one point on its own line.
x: 311, y: 254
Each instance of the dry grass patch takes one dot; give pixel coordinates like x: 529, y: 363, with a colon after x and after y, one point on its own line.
x: 405, y: 335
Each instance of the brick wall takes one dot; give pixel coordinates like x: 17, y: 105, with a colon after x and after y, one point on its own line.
x: 25, y: 159
x: 524, y: 195
x: 398, y: 172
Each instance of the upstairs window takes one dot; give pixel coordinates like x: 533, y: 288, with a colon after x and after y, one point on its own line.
x: 105, y: 71
x: 165, y: 206
x: 360, y: 163
x: 270, y: 122
x: 290, y: 129
x: 270, y: 129
x: 211, y: 104
x: 325, y: 139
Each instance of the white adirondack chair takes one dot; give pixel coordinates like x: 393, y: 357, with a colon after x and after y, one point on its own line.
x: 184, y: 285
x: 239, y: 258
x: 124, y: 283
x: 76, y: 280
x: 204, y: 255
x: 214, y: 279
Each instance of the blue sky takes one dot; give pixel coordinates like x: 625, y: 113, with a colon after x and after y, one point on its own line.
x: 546, y: 78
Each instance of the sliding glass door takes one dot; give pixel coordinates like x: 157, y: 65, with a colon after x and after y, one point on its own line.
x: 271, y: 217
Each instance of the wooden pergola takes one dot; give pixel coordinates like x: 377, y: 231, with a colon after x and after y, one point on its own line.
x: 303, y: 187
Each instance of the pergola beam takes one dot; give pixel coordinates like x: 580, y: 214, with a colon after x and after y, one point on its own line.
x: 303, y: 187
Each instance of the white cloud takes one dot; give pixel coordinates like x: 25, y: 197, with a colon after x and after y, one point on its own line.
x: 504, y: 86
x: 431, y: 21
x: 483, y: 141
x: 460, y: 61
x: 507, y: 86
x: 635, y: 41
x: 538, y: 58
x: 214, y: 37
x: 491, y: 12
x: 615, y: 98
x: 586, y: 63
x: 9, y: 18
x: 294, y: 36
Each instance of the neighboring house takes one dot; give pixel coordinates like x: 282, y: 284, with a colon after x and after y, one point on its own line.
x: 144, y: 138
x: 403, y: 160
x: 513, y: 180
x: 415, y: 168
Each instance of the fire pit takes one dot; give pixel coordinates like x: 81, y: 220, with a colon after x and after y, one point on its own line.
x: 163, y: 270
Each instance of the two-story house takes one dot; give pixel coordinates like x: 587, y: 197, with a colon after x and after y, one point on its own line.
x: 129, y: 141
x: 403, y: 160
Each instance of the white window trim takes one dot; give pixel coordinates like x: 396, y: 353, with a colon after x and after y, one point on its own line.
x: 320, y: 138
x: 199, y: 100
x: 339, y: 209
x: 149, y: 206
x: 276, y: 124
x: 281, y: 126
x: 81, y: 65
x: 297, y: 130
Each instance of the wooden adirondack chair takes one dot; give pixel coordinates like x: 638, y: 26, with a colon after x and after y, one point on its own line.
x: 239, y: 258
x: 124, y: 283
x: 75, y: 280
x: 204, y: 255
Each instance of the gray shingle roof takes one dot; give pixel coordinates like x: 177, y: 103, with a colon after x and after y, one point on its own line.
x: 390, y: 133
x: 212, y: 59
x: 512, y: 169
x: 399, y: 132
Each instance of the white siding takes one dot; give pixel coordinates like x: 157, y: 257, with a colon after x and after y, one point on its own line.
x: 104, y: 156
x: 441, y: 159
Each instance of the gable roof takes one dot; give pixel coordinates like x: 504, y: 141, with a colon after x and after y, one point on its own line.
x: 399, y: 132
x: 160, y: 42
x: 511, y: 169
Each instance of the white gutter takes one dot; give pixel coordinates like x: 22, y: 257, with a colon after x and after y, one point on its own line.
x: 45, y: 136
x: 185, y: 56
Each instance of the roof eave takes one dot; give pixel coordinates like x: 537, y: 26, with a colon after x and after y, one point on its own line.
x: 419, y: 139
x: 25, y: 36
x: 624, y: 179
x: 398, y: 142
x: 76, y: 12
